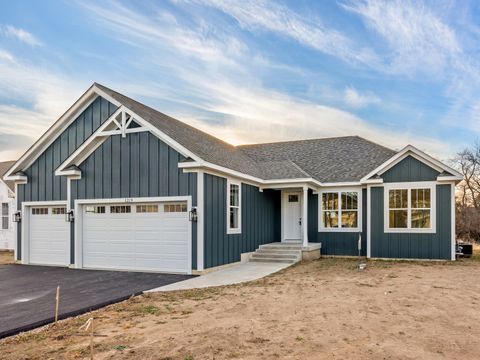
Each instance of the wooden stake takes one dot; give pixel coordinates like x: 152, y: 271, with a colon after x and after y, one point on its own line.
x: 57, y: 298
x: 91, y: 340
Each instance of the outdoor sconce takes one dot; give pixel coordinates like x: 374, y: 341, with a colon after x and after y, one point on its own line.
x: 17, y: 216
x: 193, y: 216
x: 69, y: 217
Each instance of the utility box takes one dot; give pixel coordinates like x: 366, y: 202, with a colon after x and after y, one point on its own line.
x: 464, y: 250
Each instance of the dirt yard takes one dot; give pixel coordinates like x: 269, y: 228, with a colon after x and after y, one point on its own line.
x: 325, y: 309
x: 6, y: 257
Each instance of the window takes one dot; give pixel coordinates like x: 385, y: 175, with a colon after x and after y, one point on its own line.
x: 147, y: 208
x: 409, y: 207
x: 5, y: 214
x: 95, y: 209
x: 40, y: 211
x: 234, y: 212
x: 120, y: 209
x: 170, y: 208
x: 59, y: 211
x: 339, y: 210
x: 292, y: 198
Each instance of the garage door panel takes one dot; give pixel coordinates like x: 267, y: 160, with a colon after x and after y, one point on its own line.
x: 148, y: 240
x: 49, y: 236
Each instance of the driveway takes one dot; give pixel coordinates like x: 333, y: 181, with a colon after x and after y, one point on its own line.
x: 27, y: 293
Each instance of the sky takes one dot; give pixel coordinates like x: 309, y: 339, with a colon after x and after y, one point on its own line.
x: 394, y: 72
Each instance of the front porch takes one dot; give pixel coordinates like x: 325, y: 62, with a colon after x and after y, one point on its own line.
x: 286, y: 252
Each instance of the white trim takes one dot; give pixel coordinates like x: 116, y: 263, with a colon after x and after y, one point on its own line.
x: 448, y: 178
x: 16, y: 225
x: 410, y: 150
x: 305, y: 216
x: 369, y: 221
x: 409, y: 186
x: 239, y: 229
x: 25, y: 226
x: 453, y: 223
x: 340, y: 190
x: 200, y: 220
x: 39, y: 147
x: 79, y: 220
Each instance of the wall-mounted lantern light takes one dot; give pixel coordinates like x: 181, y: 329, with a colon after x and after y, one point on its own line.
x: 17, y: 216
x: 193, y: 216
x: 69, y: 217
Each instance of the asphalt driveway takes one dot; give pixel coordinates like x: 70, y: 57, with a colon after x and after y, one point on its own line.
x: 27, y: 293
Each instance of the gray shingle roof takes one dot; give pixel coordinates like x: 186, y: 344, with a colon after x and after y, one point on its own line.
x: 4, y: 167
x: 338, y: 159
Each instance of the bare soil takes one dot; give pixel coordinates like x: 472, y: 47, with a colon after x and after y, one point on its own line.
x: 6, y: 257
x: 325, y: 309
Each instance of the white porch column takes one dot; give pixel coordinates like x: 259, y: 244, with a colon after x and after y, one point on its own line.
x: 305, y: 216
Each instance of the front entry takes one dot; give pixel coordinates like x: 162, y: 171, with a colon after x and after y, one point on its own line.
x: 292, y: 216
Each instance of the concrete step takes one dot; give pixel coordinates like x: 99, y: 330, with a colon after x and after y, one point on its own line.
x: 273, y: 260
x: 278, y: 251
x: 258, y: 255
x: 281, y: 247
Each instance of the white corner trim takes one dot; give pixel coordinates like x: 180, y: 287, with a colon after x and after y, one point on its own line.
x: 369, y: 221
x: 410, y: 150
x: 453, y: 224
x: 409, y: 186
x: 239, y: 229
x: 339, y: 190
x: 200, y: 220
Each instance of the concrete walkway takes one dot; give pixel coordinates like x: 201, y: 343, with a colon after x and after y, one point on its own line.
x: 232, y: 275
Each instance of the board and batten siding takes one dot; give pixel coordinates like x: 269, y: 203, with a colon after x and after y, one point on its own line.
x: 410, y: 170
x: 411, y: 245
x: 139, y: 165
x: 260, y: 222
x: 43, y: 184
x: 336, y: 243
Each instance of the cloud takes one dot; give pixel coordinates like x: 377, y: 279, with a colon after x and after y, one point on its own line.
x: 6, y: 56
x: 21, y: 35
x: 419, y: 40
x: 32, y: 98
x: 226, y: 97
x: 356, y: 100
x: 254, y: 15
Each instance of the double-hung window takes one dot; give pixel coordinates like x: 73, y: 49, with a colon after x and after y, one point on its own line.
x: 409, y: 208
x: 5, y: 215
x: 234, y: 210
x: 340, y: 210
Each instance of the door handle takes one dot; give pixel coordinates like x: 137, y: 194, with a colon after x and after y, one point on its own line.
x: 300, y: 221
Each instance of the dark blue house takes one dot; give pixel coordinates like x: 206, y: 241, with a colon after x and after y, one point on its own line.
x: 114, y: 184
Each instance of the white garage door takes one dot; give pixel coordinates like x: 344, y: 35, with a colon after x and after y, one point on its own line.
x: 145, y: 237
x: 49, y: 236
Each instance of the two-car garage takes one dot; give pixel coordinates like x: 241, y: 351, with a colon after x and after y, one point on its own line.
x: 119, y: 235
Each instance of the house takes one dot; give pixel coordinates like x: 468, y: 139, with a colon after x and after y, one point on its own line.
x: 115, y: 184
x: 7, y: 199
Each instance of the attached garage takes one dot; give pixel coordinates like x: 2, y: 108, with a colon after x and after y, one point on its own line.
x: 48, y: 240
x: 140, y: 236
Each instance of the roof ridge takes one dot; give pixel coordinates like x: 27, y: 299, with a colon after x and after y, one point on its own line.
x: 163, y: 114
x: 297, y: 141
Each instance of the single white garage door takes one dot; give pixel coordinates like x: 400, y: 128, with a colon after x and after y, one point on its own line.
x: 49, y: 236
x: 143, y: 237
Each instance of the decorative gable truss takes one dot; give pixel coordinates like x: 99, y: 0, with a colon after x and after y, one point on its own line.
x: 121, y: 122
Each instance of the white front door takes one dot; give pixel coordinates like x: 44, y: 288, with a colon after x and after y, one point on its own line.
x: 292, y: 216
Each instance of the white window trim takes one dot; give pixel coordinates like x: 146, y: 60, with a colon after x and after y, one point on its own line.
x: 321, y: 228
x: 239, y: 229
x: 409, y: 186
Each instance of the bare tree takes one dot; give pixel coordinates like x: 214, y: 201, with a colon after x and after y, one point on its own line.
x: 468, y: 193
